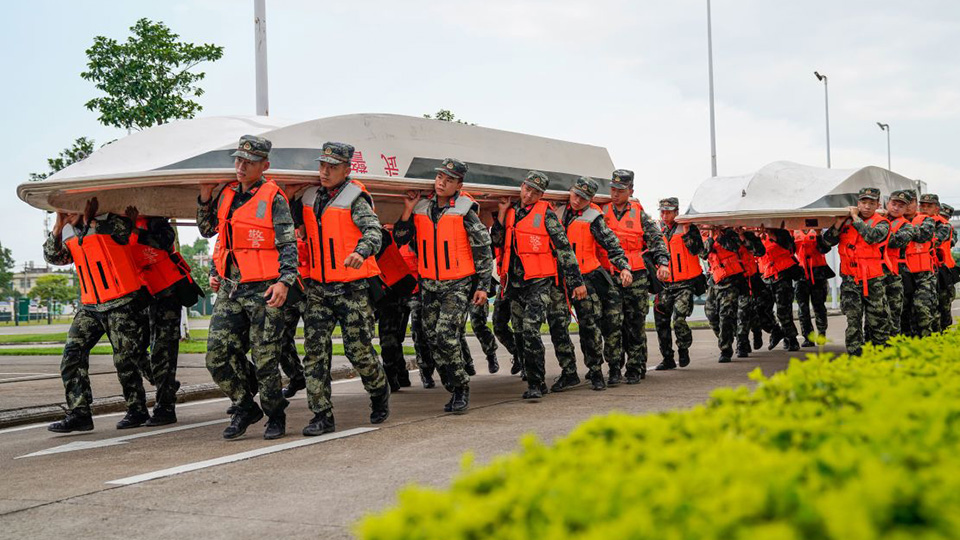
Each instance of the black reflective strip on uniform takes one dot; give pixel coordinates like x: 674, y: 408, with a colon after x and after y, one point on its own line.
x: 313, y: 257
x: 333, y: 256
x: 679, y: 265
x: 423, y: 255
x: 103, y: 276
x: 446, y: 253
x: 83, y: 282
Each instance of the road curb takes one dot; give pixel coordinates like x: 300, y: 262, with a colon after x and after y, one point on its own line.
x: 112, y: 404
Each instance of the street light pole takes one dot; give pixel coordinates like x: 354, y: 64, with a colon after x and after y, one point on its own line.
x: 886, y: 127
x: 713, y: 126
x: 260, y: 43
x: 826, y: 106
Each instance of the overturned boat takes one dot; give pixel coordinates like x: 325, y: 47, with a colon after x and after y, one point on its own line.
x: 159, y: 169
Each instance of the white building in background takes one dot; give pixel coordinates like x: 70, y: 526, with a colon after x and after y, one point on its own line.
x: 26, y: 278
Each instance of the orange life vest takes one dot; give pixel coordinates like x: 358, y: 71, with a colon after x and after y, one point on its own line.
x: 808, y: 255
x: 943, y: 250
x: 919, y: 255
x: 334, y: 236
x: 303, y: 258
x: 393, y: 266
x: 749, y: 262
x: 858, y: 259
x: 581, y: 239
x: 893, y: 258
x: 531, y: 242
x: 159, y: 269
x: 683, y: 264
x: 106, y: 269
x: 775, y: 259
x: 723, y: 263
x: 248, y: 235
x: 629, y: 231
x: 444, y: 250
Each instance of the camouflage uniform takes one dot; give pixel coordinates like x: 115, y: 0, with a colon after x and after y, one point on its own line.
x: 866, y: 314
x: 445, y: 302
x: 558, y: 321
x: 919, y: 315
x: 723, y: 298
x: 749, y: 315
x: 893, y: 282
x: 241, y: 317
x: 530, y: 297
x: 781, y: 287
x: 123, y: 319
x: 813, y: 293
x: 290, y: 363
x: 501, y: 327
x: 943, y: 317
x: 676, y: 299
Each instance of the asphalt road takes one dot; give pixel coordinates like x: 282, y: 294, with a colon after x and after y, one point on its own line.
x: 185, y: 481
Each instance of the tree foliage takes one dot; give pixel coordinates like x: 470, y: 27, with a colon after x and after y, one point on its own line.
x: 193, y: 255
x: 6, y: 271
x: 78, y: 151
x: 445, y: 115
x: 147, y: 80
x: 53, y: 288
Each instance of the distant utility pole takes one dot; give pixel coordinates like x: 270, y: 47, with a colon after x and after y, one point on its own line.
x: 260, y: 38
x: 886, y: 127
x: 713, y: 126
x: 826, y: 106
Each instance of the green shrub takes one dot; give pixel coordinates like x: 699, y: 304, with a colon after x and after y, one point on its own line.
x: 844, y: 448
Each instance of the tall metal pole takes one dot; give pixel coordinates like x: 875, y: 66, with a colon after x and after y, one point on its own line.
x: 713, y: 125
x: 260, y: 41
x: 826, y: 105
x: 886, y: 127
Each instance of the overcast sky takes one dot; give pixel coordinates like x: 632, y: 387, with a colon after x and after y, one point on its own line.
x: 627, y: 75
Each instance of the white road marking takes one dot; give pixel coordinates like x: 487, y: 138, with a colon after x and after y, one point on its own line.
x: 90, y: 445
x: 146, y: 477
x: 38, y: 377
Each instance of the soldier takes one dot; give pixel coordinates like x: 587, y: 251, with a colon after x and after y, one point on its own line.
x: 167, y: 278
x: 722, y: 252
x: 411, y: 311
x: 535, y: 246
x: 811, y: 289
x: 589, y: 234
x: 685, y: 280
x: 920, y: 281
x: 479, y: 315
x: 894, y: 258
x: 344, y: 236
x: 637, y: 234
x: 861, y: 237
x: 945, y: 258
x: 779, y: 268
x: 112, y: 302
x: 255, y: 264
x: 455, y: 264
x: 749, y: 316
x: 942, y: 260
x: 503, y: 332
x: 391, y: 314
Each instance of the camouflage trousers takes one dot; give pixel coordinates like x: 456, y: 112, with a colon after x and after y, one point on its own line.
x: 411, y: 306
x: 676, y: 302
x: 392, y: 315
x: 590, y: 312
x: 126, y: 327
x: 866, y: 315
x: 764, y: 319
x: 926, y: 304
x: 478, y: 321
x: 812, y: 294
x: 164, y: 316
x: 782, y: 290
x: 444, y: 315
x: 635, y: 304
x: 721, y: 310
x: 558, y: 320
x: 501, y: 324
x: 893, y: 286
x: 352, y: 311
x: 529, y: 305
x: 946, y: 295
x: 611, y: 326
x: 236, y: 325
x: 290, y: 363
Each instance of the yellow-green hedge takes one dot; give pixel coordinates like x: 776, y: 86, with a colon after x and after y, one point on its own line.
x: 844, y: 448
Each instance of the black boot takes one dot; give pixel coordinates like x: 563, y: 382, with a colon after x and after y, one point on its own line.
x: 232, y: 409
x: 162, y: 415
x: 725, y: 358
x: 276, y: 427
x: 666, y: 364
x: 565, y: 381
x: 461, y: 400
x: 492, y: 365
x: 808, y: 343
x: 757, y: 340
x: 295, y: 385
x: 633, y: 376
x: 380, y: 407
x: 321, y: 423
x: 615, y: 377
x: 426, y: 377
x: 515, y: 366
x: 448, y: 407
x: 743, y: 350
x: 792, y: 344
x: 241, y: 421
x: 775, y: 338
x: 133, y: 419
x: 75, y: 420
x: 596, y: 377
x: 469, y: 368
x: 533, y: 392
x: 684, y: 356
x: 403, y: 377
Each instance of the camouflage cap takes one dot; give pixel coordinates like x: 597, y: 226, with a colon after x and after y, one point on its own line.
x: 901, y: 196
x: 336, y: 153
x: 930, y: 198
x: 622, y: 179
x: 946, y: 210
x: 869, y: 193
x: 253, y: 148
x: 910, y: 194
x: 454, y: 168
x: 537, y: 180
x: 670, y: 203
x: 585, y: 187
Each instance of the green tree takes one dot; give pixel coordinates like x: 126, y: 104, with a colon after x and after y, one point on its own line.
x: 147, y: 80
x: 79, y: 151
x: 51, y: 290
x: 193, y: 254
x: 6, y: 271
x: 445, y: 115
